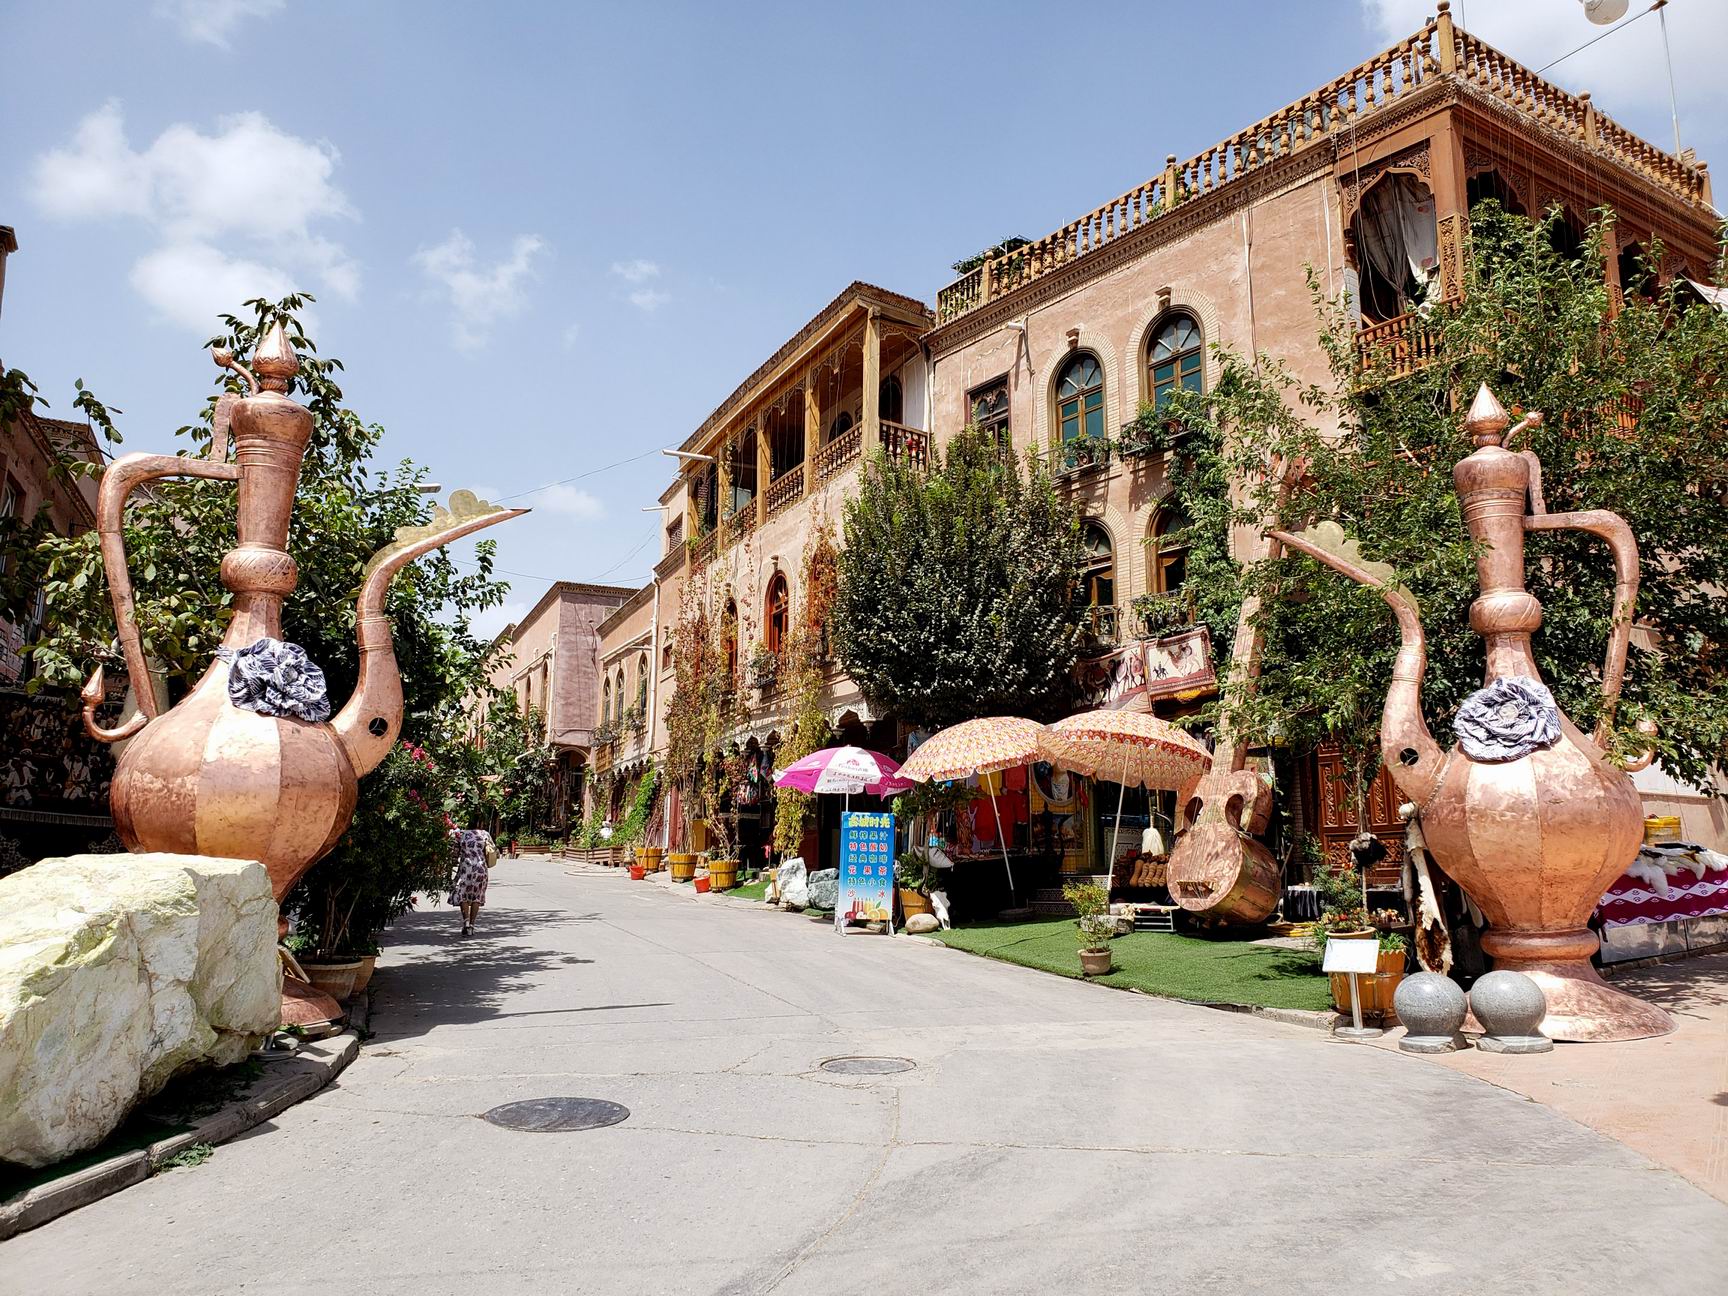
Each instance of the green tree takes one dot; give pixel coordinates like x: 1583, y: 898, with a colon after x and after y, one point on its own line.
x: 347, y: 508
x: 1635, y: 397
x: 958, y: 587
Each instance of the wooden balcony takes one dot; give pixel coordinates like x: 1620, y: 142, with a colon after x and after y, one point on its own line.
x: 786, y: 490
x: 906, y: 445
x: 1396, y: 348
x: 742, y: 522
x: 831, y: 459
x: 1438, y: 50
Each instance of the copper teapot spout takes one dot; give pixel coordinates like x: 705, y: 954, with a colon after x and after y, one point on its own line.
x: 367, y: 726
x: 1406, y: 746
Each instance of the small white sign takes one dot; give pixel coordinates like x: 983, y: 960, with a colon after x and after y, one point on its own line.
x: 1352, y: 954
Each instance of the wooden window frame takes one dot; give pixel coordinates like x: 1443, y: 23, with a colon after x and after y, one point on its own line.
x: 1191, y: 360
x: 777, y: 613
x: 1086, y: 401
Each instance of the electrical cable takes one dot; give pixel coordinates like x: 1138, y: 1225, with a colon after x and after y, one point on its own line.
x: 1603, y: 36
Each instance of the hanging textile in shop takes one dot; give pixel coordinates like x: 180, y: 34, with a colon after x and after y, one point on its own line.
x: 1115, y: 681
x: 1180, y: 665
x: 1060, y: 805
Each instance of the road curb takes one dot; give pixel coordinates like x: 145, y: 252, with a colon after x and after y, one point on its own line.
x: 291, y: 1080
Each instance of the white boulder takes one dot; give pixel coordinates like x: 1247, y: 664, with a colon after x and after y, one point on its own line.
x: 920, y: 924
x: 117, y: 971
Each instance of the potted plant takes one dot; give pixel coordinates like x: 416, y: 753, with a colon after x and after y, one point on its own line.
x: 722, y: 872
x: 914, y: 878
x: 1093, y: 924
x: 683, y: 865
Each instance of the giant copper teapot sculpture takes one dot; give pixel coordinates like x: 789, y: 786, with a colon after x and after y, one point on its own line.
x: 210, y: 777
x: 1526, y: 813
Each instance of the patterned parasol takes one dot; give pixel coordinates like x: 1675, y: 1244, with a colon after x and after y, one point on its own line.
x: 975, y: 747
x: 1126, y: 747
x: 1129, y: 748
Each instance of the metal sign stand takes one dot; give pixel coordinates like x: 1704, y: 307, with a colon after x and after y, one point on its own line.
x: 1353, y: 957
x: 1357, y: 1030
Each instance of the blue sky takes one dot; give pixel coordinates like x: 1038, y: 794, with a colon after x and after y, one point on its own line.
x: 549, y: 237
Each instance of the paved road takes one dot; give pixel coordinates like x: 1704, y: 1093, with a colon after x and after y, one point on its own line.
x: 1053, y: 1136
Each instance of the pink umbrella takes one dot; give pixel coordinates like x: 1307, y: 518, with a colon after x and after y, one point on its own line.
x: 844, y: 769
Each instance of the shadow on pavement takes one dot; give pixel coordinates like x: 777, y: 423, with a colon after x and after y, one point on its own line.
x: 453, y: 980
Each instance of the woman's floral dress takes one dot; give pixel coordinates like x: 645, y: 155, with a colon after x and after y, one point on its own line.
x: 471, y: 871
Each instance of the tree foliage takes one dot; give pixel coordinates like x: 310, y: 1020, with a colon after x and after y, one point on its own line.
x: 957, y: 592
x: 1635, y: 398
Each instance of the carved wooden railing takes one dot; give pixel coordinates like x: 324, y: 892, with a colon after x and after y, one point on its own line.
x: 1365, y: 89
x: 702, y: 550
x: 907, y: 444
x: 786, y: 490
x: 1575, y: 116
x: 741, y: 522
x: 1397, y: 347
x: 1438, y: 49
x: 839, y: 452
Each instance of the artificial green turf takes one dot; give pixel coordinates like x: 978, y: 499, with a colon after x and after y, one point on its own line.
x: 751, y: 890
x: 1198, y: 968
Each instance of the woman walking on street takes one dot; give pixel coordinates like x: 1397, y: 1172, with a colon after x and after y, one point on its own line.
x: 475, y: 855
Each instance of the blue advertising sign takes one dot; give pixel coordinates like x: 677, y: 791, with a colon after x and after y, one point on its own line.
x: 866, y: 869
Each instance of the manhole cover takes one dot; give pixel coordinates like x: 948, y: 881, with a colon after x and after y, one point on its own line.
x: 866, y: 1065
x: 557, y: 1115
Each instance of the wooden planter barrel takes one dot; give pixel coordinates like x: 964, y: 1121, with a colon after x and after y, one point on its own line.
x: 912, y: 902
x: 682, y: 864
x: 1375, y: 989
x: 651, y: 857
x: 722, y: 874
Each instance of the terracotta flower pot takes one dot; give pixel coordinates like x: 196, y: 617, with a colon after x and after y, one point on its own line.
x: 1095, y: 962
x: 363, y: 978
x: 333, y: 979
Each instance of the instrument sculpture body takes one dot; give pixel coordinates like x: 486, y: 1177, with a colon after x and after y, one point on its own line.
x: 209, y: 777
x: 1526, y: 813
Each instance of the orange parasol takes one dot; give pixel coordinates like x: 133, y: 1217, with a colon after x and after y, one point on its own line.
x: 978, y: 747
x: 1130, y: 748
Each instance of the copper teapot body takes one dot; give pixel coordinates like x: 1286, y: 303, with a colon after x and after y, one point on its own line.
x: 1533, y: 836
x: 207, y: 776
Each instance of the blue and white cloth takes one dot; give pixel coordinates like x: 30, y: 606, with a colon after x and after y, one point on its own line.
x: 275, y: 678
x: 1514, y: 716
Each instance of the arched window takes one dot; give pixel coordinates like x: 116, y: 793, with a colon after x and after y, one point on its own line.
x: 606, y: 701
x: 1635, y: 272
x: 890, y: 400
x: 1490, y: 185
x: 729, y: 640
x: 842, y: 424
x: 1100, y: 566
x: 642, y: 684
x: 1167, y: 560
x: 776, y: 614
x: 1175, y: 359
x: 618, y: 697
x: 1080, y: 398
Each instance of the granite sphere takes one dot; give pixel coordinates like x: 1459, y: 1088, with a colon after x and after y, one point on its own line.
x: 1432, y: 1007
x: 1510, y: 1007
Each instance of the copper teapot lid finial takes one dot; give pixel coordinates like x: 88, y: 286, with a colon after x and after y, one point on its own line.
x: 274, y: 361
x: 1487, y: 420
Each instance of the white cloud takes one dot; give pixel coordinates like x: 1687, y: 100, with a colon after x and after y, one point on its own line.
x: 486, y: 624
x: 213, y: 21
x: 234, y: 212
x: 638, y: 270
x: 193, y: 283
x: 572, y: 332
x: 1626, y: 71
x: 479, y: 295
x: 649, y: 299
x: 570, y: 501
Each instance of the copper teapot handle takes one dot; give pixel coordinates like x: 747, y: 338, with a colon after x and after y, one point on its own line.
x: 123, y: 477
x: 1621, y: 543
